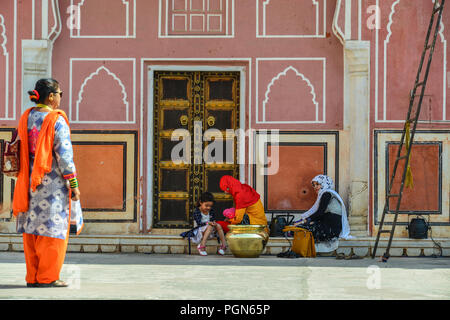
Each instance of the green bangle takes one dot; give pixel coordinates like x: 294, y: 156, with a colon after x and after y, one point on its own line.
x: 73, y: 183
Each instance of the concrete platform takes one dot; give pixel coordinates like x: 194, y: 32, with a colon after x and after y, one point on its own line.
x: 174, y: 244
x: 180, y: 276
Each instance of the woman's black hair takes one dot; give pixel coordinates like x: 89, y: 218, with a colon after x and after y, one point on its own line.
x: 42, y: 90
x: 205, y: 197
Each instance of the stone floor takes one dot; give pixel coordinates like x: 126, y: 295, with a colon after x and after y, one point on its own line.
x: 169, y: 276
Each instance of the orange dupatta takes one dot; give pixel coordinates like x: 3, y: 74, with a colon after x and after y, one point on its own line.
x: 42, y: 160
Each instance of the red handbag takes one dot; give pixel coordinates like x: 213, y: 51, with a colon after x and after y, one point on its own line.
x: 11, y: 156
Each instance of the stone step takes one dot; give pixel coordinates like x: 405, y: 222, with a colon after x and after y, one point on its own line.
x: 174, y: 244
x: 359, y: 233
x: 360, y: 227
x: 357, y: 220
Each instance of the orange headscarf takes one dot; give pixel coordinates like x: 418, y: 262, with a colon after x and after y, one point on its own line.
x: 42, y: 159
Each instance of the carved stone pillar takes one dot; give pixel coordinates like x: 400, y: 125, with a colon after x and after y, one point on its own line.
x: 356, y: 123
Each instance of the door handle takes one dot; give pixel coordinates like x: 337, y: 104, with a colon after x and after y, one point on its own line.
x: 211, y: 121
x: 184, y: 120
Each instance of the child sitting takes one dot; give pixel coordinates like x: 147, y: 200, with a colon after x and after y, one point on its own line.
x: 206, y: 225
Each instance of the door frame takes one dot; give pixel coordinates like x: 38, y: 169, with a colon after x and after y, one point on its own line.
x: 150, y: 104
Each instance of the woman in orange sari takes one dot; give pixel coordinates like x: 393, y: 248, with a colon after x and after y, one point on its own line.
x: 246, y: 201
x: 46, y: 178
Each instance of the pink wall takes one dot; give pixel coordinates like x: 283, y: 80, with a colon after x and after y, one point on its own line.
x: 292, y: 60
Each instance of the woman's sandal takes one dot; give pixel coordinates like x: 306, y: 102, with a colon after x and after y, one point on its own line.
x: 288, y: 254
x: 221, y: 250
x: 54, y: 284
x: 201, y: 250
x: 353, y: 256
x: 32, y: 285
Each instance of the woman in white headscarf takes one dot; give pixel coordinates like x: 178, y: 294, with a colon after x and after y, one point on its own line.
x: 327, y: 218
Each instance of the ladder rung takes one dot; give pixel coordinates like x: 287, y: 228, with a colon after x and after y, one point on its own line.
x: 384, y: 231
x: 402, y: 157
x: 437, y: 9
x: 428, y: 47
x: 393, y: 195
x: 420, y: 84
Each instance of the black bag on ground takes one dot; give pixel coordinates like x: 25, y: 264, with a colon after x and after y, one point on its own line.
x: 418, y: 228
x: 278, y: 223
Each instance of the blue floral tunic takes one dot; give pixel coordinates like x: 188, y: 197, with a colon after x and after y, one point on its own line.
x: 48, y: 213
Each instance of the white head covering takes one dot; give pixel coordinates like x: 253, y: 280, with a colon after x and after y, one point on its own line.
x: 327, y: 185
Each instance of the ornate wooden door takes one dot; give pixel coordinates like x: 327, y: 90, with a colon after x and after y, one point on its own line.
x: 205, y: 106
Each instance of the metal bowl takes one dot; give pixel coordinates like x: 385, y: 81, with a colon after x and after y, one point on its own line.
x: 247, y: 241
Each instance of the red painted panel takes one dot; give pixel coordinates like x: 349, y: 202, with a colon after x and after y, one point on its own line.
x: 100, y: 175
x: 424, y: 196
x: 290, y: 188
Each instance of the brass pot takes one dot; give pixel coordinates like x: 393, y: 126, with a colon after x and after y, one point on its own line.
x: 247, y: 241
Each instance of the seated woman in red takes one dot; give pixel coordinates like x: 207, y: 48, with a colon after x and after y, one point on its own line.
x: 246, y: 201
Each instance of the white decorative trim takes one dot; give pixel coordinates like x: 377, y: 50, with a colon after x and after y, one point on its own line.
x: 185, y: 21
x: 348, y: 19
x: 33, y: 19
x: 115, y: 77
x: 303, y: 77
x: 203, y: 22
x: 208, y: 5
x: 185, y: 6
x: 163, y: 26
x: 317, y: 35
x: 444, y: 83
x: 44, y: 19
x: 3, y: 34
x: 94, y: 74
x: 56, y: 30
x: 127, y: 34
x: 5, y: 53
x: 386, y: 42
x: 335, y: 26
x: 208, y: 24
x: 203, y: 6
x: 359, y: 19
